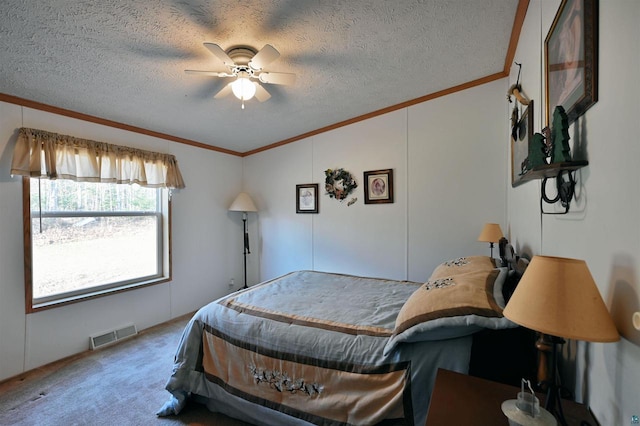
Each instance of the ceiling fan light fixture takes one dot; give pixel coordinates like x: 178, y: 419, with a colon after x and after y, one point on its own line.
x: 243, y: 88
x: 245, y: 64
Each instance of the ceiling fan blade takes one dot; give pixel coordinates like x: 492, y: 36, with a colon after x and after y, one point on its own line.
x: 226, y: 90
x: 277, y: 78
x: 219, y: 53
x: 261, y: 93
x: 265, y: 56
x: 211, y: 73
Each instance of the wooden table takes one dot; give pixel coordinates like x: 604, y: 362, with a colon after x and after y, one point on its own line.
x: 459, y: 399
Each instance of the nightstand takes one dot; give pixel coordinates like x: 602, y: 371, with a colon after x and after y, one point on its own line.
x: 466, y: 400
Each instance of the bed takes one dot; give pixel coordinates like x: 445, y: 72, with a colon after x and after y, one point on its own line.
x: 333, y: 349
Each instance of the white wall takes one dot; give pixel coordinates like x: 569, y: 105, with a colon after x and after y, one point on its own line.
x: 457, y: 155
x: 207, y: 248
x: 12, y: 317
x: 362, y: 239
x: 448, y: 157
x: 602, y: 226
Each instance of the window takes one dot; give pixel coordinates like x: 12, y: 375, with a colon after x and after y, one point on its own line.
x: 89, y: 239
x: 96, y: 216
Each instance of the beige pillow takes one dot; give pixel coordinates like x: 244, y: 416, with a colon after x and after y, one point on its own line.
x: 463, y: 265
x: 452, y: 296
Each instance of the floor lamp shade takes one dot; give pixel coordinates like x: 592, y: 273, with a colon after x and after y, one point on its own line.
x: 243, y: 203
x: 558, y: 296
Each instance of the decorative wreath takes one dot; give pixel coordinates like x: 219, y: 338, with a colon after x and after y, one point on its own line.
x: 339, y: 183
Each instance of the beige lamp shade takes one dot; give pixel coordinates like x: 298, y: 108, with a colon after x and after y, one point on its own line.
x: 558, y: 296
x: 243, y: 203
x: 491, y: 233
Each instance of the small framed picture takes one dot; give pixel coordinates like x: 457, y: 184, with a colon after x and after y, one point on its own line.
x: 307, y: 198
x: 378, y: 186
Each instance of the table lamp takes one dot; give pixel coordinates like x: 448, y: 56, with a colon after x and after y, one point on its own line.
x: 243, y: 203
x: 491, y: 233
x: 558, y: 297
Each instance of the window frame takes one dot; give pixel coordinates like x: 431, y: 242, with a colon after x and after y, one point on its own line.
x: 63, y: 299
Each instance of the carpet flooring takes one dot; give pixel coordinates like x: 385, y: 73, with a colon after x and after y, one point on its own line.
x: 122, y: 384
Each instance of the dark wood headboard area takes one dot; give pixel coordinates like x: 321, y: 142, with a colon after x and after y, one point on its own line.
x: 516, y: 265
x: 508, y: 355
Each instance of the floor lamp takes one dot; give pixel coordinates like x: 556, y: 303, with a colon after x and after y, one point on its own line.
x: 244, y: 204
x: 558, y: 297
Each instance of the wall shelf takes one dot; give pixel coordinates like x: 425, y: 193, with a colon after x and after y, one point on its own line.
x: 553, y: 170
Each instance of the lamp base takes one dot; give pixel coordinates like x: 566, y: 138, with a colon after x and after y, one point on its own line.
x: 551, y: 381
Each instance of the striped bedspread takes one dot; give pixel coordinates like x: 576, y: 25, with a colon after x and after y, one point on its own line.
x: 307, y: 348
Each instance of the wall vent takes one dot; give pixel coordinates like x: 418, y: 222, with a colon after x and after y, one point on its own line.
x: 109, y: 337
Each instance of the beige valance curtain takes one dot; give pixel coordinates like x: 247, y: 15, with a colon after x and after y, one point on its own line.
x: 39, y: 153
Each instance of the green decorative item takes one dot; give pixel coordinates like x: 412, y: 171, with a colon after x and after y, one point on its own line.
x: 560, y: 136
x: 536, y: 151
x: 339, y: 183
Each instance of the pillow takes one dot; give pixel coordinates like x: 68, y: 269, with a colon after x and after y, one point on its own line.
x: 450, y: 307
x: 463, y: 294
x: 462, y: 265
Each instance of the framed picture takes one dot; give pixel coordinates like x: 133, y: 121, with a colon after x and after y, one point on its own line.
x: 378, y: 186
x: 520, y: 145
x: 307, y: 198
x: 571, y: 56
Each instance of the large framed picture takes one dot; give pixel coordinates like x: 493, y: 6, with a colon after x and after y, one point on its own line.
x: 520, y: 146
x: 307, y: 198
x: 378, y: 186
x: 571, y: 55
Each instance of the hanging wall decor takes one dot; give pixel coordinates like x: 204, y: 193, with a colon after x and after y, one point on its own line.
x: 571, y: 53
x: 307, y: 198
x: 378, y: 186
x: 559, y: 151
x: 339, y: 183
x: 520, y: 146
x: 516, y: 91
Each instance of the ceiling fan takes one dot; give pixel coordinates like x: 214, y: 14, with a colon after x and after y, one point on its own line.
x: 245, y: 64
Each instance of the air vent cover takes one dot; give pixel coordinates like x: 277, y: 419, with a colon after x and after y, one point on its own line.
x: 109, y: 337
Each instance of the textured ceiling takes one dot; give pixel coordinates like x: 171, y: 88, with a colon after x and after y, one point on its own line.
x: 124, y: 60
